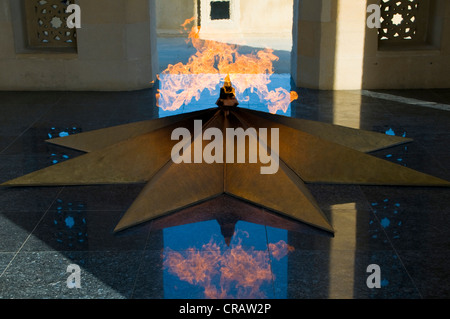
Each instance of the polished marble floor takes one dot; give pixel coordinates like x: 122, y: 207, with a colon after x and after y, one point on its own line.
x: 224, y: 248
x: 43, y: 230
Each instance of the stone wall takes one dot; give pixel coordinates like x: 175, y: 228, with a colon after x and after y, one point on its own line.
x: 335, y: 50
x: 422, y: 65
x: 332, y: 46
x: 116, y: 50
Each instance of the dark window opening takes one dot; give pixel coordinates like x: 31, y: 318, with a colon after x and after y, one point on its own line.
x: 220, y: 10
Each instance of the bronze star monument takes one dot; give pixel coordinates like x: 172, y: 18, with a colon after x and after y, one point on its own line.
x: 309, y: 152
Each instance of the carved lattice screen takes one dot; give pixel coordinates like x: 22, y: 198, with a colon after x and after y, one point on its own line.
x: 47, y: 24
x: 404, y: 21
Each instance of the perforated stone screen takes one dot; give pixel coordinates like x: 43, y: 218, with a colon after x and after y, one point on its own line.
x: 404, y: 20
x: 47, y: 24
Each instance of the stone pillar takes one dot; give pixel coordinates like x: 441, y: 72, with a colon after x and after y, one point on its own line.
x: 312, y: 54
x: 333, y: 49
x: 116, y: 50
x: 328, y: 43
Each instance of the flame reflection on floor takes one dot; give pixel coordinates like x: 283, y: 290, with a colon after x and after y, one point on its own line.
x: 220, y: 271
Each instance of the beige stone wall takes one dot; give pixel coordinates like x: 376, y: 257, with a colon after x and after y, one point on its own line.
x: 416, y: 67
x: 333, y: 49
x: 116, y: 50
x: 270, y: 17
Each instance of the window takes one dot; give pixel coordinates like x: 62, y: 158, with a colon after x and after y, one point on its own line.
x: 220, y: 10
x: 220, y: 17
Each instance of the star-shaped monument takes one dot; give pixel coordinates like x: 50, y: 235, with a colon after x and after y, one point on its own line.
x: 308, y: 152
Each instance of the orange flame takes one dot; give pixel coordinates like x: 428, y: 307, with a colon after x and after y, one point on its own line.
x: 207, y: 67
x: 237, y: 268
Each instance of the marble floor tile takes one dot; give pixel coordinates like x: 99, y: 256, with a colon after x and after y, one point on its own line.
x: 228, y: 248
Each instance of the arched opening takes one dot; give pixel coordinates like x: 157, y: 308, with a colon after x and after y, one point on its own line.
x: 248, y: 26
